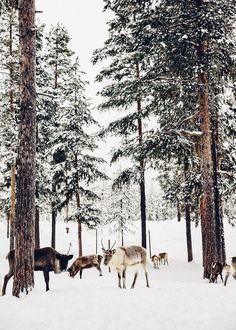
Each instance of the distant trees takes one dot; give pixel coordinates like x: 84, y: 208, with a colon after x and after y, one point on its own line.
x: 9, y: 105
x: 64, y: 119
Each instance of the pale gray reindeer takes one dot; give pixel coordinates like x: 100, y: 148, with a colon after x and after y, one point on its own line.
x: 122, y: 257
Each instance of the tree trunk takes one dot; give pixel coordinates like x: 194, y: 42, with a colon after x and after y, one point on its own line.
x: 220, y: 243
x: 37, y: 233
x: 207, y: 209
x: 142, y: 172
x: 25, y: 185
x: 54, y: 217
x: 178, y: 211
x: 79, y: 225
x: 122, y: 223
x: 8, y: 224
x: 187, y: 215
x: 12, y: 110
x: 12, y: 208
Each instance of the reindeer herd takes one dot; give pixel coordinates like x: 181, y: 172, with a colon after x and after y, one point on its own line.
x: 48, y: 259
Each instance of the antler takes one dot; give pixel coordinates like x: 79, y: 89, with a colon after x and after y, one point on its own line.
x: 69, y: 248
x: 113, y: 245
x: 102, y: 245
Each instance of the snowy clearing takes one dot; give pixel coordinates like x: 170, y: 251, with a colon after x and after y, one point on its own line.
x: 178, y: 298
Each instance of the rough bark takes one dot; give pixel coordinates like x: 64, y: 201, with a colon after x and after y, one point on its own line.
x: 25, y: 185
x: 207, y: 208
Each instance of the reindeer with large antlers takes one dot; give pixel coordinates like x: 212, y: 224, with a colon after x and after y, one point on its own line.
x: 122, y: 257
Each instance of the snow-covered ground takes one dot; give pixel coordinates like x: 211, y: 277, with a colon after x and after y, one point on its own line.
x: 178, y: 298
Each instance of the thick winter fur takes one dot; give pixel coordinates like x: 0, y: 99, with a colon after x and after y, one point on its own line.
x: 123, y: 257
x: 85, y: 262
x: 230, y: 269
x: 46, y: 259
x: 216, y: 270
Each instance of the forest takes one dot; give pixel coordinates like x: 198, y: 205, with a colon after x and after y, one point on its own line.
x: 168, y: 90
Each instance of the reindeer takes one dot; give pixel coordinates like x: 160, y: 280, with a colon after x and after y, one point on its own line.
x: 215, y: 271
x: 156, y: 260
x: 230, y: 269
x: 163, y: 258
x: 123, y: 257
x: 46, y: 259
x: 85, y: 262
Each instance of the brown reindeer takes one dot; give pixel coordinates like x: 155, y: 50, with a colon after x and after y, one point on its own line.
x: 46, y: 259
x: 123, y: 257
x: 163, y: 258
x: 216, y: 270
x: 85, y: 262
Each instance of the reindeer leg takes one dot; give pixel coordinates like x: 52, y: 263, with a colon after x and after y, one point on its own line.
x: 100, y: 271
x: 221, y: 277
x: 226, y: 278
x: 46, y: 277
x: 124, y: 278
x: 134, y: 281
x: 119, y: 278
x: 80, y: 273
x: 146, y: 275
x: 6, y: 279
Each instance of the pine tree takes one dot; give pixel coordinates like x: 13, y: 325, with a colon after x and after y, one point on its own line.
x: 197, y: 41
x: 56, y: 63
x: 80, y: 166
x: 125, y: 90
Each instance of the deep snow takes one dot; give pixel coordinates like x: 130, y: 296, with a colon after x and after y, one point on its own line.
x: 178, y: 298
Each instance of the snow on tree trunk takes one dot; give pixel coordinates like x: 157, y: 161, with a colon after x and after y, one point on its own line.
x: 25, y: 192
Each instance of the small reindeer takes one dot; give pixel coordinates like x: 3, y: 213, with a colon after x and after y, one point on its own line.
x: 85, y: 262
x: 155, y: 261
x: 123, y: 257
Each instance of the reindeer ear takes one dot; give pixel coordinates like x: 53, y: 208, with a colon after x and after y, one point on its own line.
x: 113, y: 251
x: 70, y: 256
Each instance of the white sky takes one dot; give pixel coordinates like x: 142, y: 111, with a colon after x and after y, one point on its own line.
x: 86, y: 24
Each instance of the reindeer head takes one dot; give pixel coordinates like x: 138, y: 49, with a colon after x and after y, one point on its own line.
x: 108, y: 253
